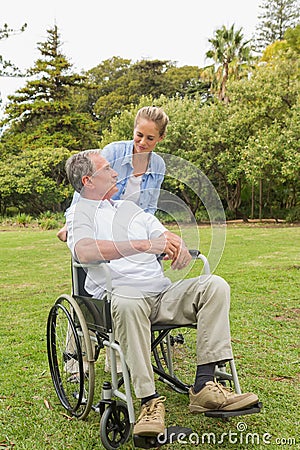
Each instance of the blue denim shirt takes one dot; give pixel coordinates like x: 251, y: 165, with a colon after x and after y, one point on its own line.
x: 119, y: 155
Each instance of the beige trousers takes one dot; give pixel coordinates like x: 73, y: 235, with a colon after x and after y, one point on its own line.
x: 204, y: 300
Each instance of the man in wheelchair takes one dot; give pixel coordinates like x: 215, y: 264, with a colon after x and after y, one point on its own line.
x: 122, y: 233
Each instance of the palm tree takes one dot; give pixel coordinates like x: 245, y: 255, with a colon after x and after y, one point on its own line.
x: 230, y: 53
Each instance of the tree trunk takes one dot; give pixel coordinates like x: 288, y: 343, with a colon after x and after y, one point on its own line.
x: 260, y: 198
x: 193, y: 205
x: 234, y: 200
x: 252, y: 200
x: 222, y: 93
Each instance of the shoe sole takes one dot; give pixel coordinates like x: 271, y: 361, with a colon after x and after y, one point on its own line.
x: 148, y: 432
x: 243, y: 404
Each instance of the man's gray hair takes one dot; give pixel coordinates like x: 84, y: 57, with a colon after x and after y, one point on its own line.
x: 80, y: 165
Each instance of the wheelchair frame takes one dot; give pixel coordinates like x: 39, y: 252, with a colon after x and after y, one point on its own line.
x: 78, y: 327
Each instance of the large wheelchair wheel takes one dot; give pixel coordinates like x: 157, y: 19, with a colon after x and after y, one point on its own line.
x: 115, y: 427
x: 70, y: 356
x: 174, y: 357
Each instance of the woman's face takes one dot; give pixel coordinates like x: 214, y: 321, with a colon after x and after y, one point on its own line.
x: 145, y: 136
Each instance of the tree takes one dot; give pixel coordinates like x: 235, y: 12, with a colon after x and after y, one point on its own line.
x: 276, y: 17
x: 42, y: 127
x: 117, y: 83
x: 292, y: 37
x: 42, y: 113
x: 37, y: 182
x: 288, y: 48
x: 186, y: 81
x: 230, y: 52
x: 269, y: 103
x: 104, y: 82
x: 7, y: 68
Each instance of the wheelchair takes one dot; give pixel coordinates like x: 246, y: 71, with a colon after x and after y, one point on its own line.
x: 80, y: 327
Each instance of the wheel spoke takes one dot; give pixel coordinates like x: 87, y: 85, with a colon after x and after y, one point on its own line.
x: 115, y: 426
x: 66, y: 345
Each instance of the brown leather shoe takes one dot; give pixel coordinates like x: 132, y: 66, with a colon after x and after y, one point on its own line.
x: 151, y: 420
x: 215, y: 397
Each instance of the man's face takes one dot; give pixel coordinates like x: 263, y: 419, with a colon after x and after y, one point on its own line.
x: 102, y: 184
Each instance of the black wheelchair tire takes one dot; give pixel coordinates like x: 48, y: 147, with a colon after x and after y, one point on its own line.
x: 115, y: 427
x: 78, y: 400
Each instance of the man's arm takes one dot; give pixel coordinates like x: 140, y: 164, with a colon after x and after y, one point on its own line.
x: 88, y: 250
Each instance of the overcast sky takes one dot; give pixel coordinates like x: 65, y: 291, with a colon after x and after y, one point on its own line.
x: 99, y: 29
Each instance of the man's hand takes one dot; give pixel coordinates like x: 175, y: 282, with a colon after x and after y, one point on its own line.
x: 174, y: 248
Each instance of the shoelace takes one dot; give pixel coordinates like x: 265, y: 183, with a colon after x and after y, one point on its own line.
x: 219, y: 387
x: 152, y: 409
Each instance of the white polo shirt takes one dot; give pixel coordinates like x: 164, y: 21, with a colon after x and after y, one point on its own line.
x: 119, y: 220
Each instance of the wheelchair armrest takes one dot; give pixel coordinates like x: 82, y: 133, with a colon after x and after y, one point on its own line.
x: 91, y: 263
x: 102, y: 264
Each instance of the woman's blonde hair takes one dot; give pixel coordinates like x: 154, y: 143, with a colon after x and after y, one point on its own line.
x: 156, y: 115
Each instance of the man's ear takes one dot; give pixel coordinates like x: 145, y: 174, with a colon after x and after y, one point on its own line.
x: 85, y: 180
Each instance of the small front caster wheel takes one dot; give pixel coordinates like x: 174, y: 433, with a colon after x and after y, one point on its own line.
x: 115, y: 427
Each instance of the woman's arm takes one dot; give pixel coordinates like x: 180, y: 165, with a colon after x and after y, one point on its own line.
x: 151, y: 207
x: 159, y: 169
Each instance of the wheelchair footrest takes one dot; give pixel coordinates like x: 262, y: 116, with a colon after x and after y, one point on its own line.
x: 254, y: 409
x: 171, y: 435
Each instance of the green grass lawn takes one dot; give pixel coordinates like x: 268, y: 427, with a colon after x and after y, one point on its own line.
x: 262, y: 265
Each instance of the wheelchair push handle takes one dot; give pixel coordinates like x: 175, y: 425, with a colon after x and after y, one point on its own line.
x: 194, y: 254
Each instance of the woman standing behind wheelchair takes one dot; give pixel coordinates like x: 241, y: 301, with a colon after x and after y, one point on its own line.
x: 141, y: 171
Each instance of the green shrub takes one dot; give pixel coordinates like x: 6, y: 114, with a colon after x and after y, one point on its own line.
x: 4, y: 220
x: 23, y: 219
x: 293, y: 215
x: 50, y: 221
x: 49, y: 224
